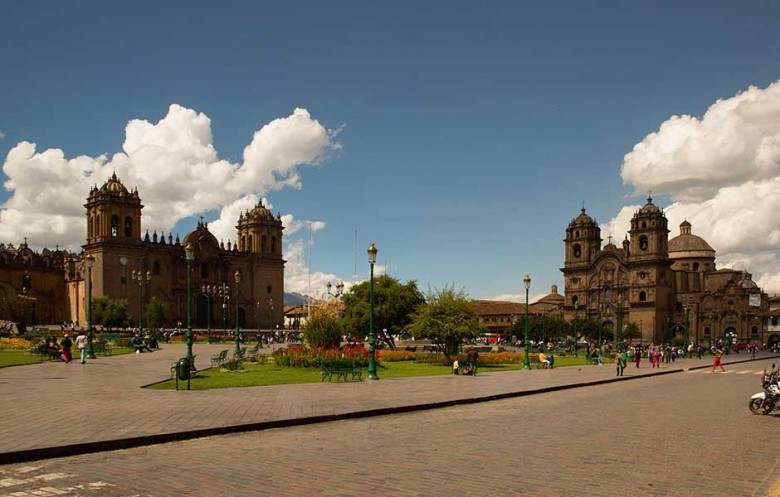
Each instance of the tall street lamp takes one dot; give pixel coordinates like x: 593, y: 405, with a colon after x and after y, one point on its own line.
x: 544, y: 336
x: 601, y: 310
x: 271, y: 315
x: 526, y: 359
x: 371, y: 351
x: 687, y: 309
x: 237, y: 277
x: 208, y: 291
x: 90, y: 350
x: 575, y: 329
x: 141, y: 279
x: 189, y: 254
x: 620, y: 320
x: 224, y: 294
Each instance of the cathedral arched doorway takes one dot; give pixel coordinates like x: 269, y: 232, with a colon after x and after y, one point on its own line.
x: 202, y: 311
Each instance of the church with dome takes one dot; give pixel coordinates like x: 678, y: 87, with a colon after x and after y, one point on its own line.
x: 664, y: 286
x: 243, y: 278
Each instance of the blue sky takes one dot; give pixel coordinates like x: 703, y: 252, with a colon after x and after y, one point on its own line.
x: 462, y: 136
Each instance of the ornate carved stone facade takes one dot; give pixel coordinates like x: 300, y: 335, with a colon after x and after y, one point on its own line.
x: 664, y: 286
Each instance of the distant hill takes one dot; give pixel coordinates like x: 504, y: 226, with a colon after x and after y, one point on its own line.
x: 294, y: 298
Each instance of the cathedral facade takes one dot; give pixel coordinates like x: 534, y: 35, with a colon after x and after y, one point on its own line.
x: 666, y: 287
x: 244, y: 278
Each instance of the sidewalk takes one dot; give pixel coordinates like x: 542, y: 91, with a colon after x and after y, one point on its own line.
x: 55, y: 409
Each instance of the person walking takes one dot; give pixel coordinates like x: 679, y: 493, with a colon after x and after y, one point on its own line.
x: 81, y: 343
x: 66, y: 344
x: 638, y: 355
x: 717, y: 351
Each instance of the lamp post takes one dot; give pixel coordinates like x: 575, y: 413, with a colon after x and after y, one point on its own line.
x: 575, y: 329
x: 237, y: 277
x: 339, y: 289
x: 371, y: 351
x: 189, y: 254
x: 90, y: 350
x: 224, y: 294
x: 271, y: 315
x: 687, y: 309
x: 544, y: 337
x: 601, y: 309
x: 141, y: 280
x: 526, y: 359
x: 620, y: 319
x: 208, y: 291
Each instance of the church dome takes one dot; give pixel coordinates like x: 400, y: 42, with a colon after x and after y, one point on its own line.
x: 201, y: 237
x: 113, y: 185
x: 583, y: 219
x: 649, y: 207
x: 686, y: 245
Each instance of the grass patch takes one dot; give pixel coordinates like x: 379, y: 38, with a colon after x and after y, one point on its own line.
x: 19, y: 358
x: 254, y: 374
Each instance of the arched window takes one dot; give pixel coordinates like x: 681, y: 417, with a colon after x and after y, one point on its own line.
x: 706, y: 331
x: 642, y: 242
x: 128, y: 226
x: 249, y: 244
x: 156, y: 268
x: 577, y: 234
x: 273, y: 244
x: 243, y: 243
x: 642, y: 296
x: 577, y: 250
x: 644, y: 224
x: 263, y: 242
x: 114, y: 225
x: 204, y: 271
x: 695, y: 266
x: 574, y: 301
x: 754, y: 330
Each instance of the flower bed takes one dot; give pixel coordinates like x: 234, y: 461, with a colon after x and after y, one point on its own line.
x: 16, y: 344
x: 305, y: 357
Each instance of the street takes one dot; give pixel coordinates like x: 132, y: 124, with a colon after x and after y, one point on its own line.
x: 685, y: 434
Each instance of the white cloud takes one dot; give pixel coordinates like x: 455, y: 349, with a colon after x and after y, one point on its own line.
x: 176, y: 169
x: 2, y: 135
x: 722, y: 173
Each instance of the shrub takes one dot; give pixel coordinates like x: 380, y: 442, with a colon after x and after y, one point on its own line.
x: 323, y: 328
x: 15, y: 344
x: 306, y: 357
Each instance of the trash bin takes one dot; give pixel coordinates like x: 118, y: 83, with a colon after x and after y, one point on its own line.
x: 552, y: 360
x: 183, y: 369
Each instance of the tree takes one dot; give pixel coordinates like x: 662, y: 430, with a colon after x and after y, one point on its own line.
x: 156, y: 313
x: 324, y: 326
x: 447, y: 318
x: 109, y: 313
x: 394, y: 304
x: 631, y: 331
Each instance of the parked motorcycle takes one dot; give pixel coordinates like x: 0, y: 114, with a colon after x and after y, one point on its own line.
x: 768, y: 400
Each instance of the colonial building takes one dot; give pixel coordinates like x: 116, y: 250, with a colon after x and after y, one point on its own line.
x: 664, y: 286
x: 241, y: 279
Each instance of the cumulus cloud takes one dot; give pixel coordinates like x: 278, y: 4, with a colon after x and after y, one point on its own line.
x: 175, y: 167
x: 722, y: 174
x: 2, y: 135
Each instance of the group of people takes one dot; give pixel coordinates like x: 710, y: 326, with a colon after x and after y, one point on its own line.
x: 62, y: 350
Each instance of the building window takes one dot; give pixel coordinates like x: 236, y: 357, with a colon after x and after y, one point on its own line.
x: 707, y: 331
x: 642, y: 243
x: 754, y: 330
x: 774, y: 320
x: 128, y: 227
x: 695, y: 266
x: 574, y: 300
x: 273, y: 244
x: 268, y: 289
x: 577, y: 251
x: 156, y: 268
x: 263, y: 242
x: 204, y: 271
x: 249, y: 244
x: 123, y: 280
x: 114, y: 225
x: 642, y: 296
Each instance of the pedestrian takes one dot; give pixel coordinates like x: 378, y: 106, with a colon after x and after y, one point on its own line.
x: 638, y: 355
x: 472, y: 356
x: 81, y: 343
x: 699, y: 350
x: 66, y: 344
x: 657, y: 360
x: 455, y: 365
x: 717, y: 351
x: 620, y: 362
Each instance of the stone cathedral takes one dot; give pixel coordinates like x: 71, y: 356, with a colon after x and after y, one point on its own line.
x: 54, y: 282
x: 665, y: 286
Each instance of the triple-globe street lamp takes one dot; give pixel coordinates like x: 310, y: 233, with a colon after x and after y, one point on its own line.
x: 141, y: 279
x: 189, y: 254
x: 237, y: 277
x: 208, y: 291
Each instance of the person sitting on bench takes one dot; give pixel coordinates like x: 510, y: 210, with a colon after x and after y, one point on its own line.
x: 544, y: 360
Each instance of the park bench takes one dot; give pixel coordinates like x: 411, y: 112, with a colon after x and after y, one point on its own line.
x: 193, y: 369
x: 341, y: 368
x: 540, y: 365
x: 218, y: 359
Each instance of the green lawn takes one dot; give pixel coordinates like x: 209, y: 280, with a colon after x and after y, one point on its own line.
x: 255, y: 374
x: 22, y: 357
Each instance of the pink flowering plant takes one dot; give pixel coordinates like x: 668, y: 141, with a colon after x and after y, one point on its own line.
x: 311, y: 357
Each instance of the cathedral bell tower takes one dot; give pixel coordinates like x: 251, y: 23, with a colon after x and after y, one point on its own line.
x: 582, y: 245
x: 259, y: 232
x: 113, y: 214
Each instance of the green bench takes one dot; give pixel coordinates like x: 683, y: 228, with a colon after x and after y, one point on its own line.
x: 346, y: 369
x: 218, y: 359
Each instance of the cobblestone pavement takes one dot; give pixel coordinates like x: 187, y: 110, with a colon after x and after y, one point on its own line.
x: 686, y: 434
x: 65, y: 406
